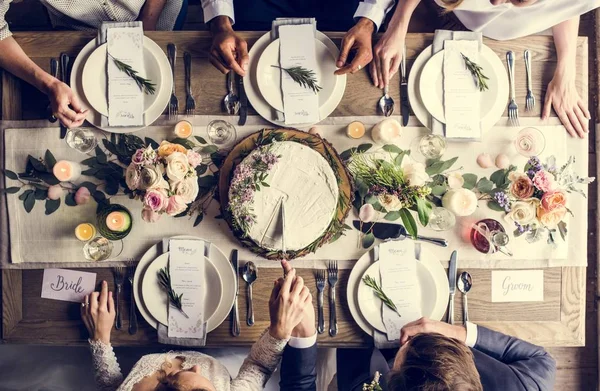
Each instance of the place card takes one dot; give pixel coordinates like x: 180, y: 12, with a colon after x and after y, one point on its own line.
x: 186, y: 266
x: 297, y: 48
x: 125, y: 99
x: 398, y: 271
x: 67, y: 285
x: 517, y: 285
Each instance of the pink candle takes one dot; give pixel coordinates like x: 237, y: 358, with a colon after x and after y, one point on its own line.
x: 65, y: 170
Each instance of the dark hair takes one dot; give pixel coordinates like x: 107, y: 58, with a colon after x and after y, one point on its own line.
x: 434, y: 362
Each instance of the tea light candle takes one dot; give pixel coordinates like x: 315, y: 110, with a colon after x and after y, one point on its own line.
x: 386, y: 132
x: 355, y: 129
x: 117, y: 221
x: 65, y: 170
x: 184, y: 129
x: 85, y: 232
x: 461, y: 202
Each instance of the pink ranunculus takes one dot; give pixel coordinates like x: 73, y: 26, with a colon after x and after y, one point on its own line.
x: 156, y: 200
x: 82, y: 196
x: 132, y: 176
x: 54, y: 192
x: 194, y: 158
x: 553, y: 200
x: 175, y: 205
x: 544, y: 181
x: 150, y: 216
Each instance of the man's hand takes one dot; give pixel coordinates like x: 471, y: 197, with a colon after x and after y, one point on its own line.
x: 98, y: 314
x: 427, y: 326
x: 306, y: 328
x: 359, y: 40
x: 65, y: 105
x: 286, y: 305
x: 228, y: 51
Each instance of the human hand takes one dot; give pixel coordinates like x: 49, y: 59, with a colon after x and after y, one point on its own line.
x: 286, y: 305
x: 65, y: 105
x: 228, y: 51
x: 306, y: 327
x: 387, y: 55
x: 98, y: 314
x: 358, y: 39
x: 425, y: 325
x: 568, y: 105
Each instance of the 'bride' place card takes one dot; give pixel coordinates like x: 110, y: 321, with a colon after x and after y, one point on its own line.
x: 67, y: 285
x: 517, y: 285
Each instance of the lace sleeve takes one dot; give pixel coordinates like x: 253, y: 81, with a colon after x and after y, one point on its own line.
x: 260, y: 363
x: 106, y: 368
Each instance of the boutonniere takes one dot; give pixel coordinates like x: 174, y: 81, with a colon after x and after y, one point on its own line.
x: 374, y: 385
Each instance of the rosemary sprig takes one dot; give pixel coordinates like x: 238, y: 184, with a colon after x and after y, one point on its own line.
x: 371, y: 283
x: 305, y: 77
x: 476, y: 71
x: 164, y: 279
x: 145, y: 85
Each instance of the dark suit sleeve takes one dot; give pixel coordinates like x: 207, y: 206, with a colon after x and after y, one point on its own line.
x: 299, y: 369
x: 508, y: 363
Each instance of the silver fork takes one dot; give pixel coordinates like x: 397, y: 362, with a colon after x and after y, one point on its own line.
x: 190, y: 103
x: 133, y: 323
x: 173, y: 103
x: 320, y: 278
x: 119, y: 276
x: 513, y: 109
x: 332, y: 272
x: 530, y: 99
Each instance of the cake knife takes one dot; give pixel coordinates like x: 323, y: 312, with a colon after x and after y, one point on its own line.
x: 235, y: 319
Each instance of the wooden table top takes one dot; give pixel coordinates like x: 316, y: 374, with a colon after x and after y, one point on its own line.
x: 26, y: 318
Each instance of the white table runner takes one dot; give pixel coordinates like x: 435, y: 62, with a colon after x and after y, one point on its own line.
x: 39, y: 241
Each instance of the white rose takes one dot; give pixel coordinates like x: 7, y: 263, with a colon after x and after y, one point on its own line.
x: 389, y: 202
x: 414, y: 172
x: 523, y: 212
x: 151, y: 176
x: 132, y: 177
x: 177, y: 166
x: 455, y: 180
x: 187, y: 188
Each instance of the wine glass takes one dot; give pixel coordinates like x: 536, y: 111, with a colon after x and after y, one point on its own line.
x: 441, y: 219
x: 530, y: 142
x: 97, y: 249
x: 221, y: 132
x: 426, y: 147
x: 81, y: 139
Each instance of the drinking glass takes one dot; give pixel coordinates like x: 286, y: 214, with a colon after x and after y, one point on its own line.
x: 490, y: 237
x: 427, y: 147
x: 81, y: 139
x: 530, y: 142
x: 221, y: 132
x: 98, y: 249
x: 441, y: 219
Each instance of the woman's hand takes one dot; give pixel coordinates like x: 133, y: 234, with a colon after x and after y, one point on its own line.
x: 425, y: 325
x: 98, y: 314
x: 286, y: 305
x: 228, y: 51
x: 65, y: 105
x: 570, y: 108
x: 387, y: 56
x: 306, y: 327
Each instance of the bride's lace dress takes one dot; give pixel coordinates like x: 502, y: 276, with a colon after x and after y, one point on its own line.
x: 254, y: 373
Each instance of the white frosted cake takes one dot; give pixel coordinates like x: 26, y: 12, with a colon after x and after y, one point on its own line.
x: 287, y: 174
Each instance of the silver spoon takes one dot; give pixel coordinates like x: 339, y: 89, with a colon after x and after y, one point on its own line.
x: 464, y: 284
x: 250, y: 275
x: 231, y: 100
x: 386, y: 103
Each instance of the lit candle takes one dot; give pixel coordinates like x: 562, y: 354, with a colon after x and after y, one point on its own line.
x: 461, y: 202
x: 118, y: 221
x: 85, y: 232
x: 355, y: 129
x: 65, y: 170
x: 386, y: 132
x: 183, y: 129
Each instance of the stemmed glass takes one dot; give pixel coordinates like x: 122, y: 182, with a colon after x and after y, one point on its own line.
x: 427, y: 147
x: 221, y: 132
x: 530, y: 142
x: 81, y: 139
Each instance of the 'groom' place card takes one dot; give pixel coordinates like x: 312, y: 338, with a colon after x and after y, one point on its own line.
x: 517, y: 285
x: 67, y: 285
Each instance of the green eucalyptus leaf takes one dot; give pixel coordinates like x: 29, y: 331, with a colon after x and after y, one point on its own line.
x: 393, y: 215
x: 90, y: 172
x: 368, y: 240
x: 423, y: 210
x: 199, y: 219
x: 363, y: 147
x: 112, y: 186
x: 484, y: 185
x: 48, y: 178
x: 562, y: 228
x: 89, y: 185
x: 493, y: 205
x: 201, y: 169
x: 392, y: 148
x: 201, y: 140
x: 361, y: 187
x: 209, y: 149
x: 358, y: 201
x: 184, y: 141
x: 99, y: 196
x: 151, y: 143
x: 100, y: 155
x: 498, y: 177
x: 439, y: 190
x: 409, y: 222
x: 36, y: 164
x: 52, y: 206
x: 347, y: 154
x: 70, y: 200
x: 40, y: 194
x: 207, y: 181
x: 25, y: 194
x: 11, y: 175
x: 111, y: 146
x: 470, y: 181
x: 92, y: 161
x: 10, y: 190
x: 49, y: 160
x: 29, y: 202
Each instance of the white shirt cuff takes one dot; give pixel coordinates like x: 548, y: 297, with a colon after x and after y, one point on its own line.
x: 218, y: 8
x: 303, y: 343
x: 370, y: 11
x: 471, y: 334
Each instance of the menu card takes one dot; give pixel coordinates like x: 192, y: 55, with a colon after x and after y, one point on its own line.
x: 297, y: 48
x: 125, y: 99
x: 398, y: 270
x: 186, y: 265
x: 461, y: 94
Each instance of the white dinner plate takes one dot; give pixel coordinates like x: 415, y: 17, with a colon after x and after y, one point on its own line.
x: 155, y: 297
x: 220, y: 262
x: 95, y: 79
x: 435, y: 267
x: 259, y: 103
x: 269, y: 77
x: 498, y: 72
x: 163, y: 91
x: 370, y: 305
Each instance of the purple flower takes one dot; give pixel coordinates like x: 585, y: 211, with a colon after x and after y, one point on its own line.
x: 502, y: 200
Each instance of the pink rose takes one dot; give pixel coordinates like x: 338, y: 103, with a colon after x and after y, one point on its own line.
x: 543, y: 181
x: 142, y: 157
x: 194, y: 158
x: 150, y: 216
x: 155, y: 200
x: 176, y: 205
x: 82, y: 196
x: 132, y: 176
x: 54, y: 192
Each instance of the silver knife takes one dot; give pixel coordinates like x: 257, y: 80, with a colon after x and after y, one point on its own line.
x: 235, y: 319
x: 64, y: 73
x: 404, y: 103
x: 243, y: 101
x: 452, y: 282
